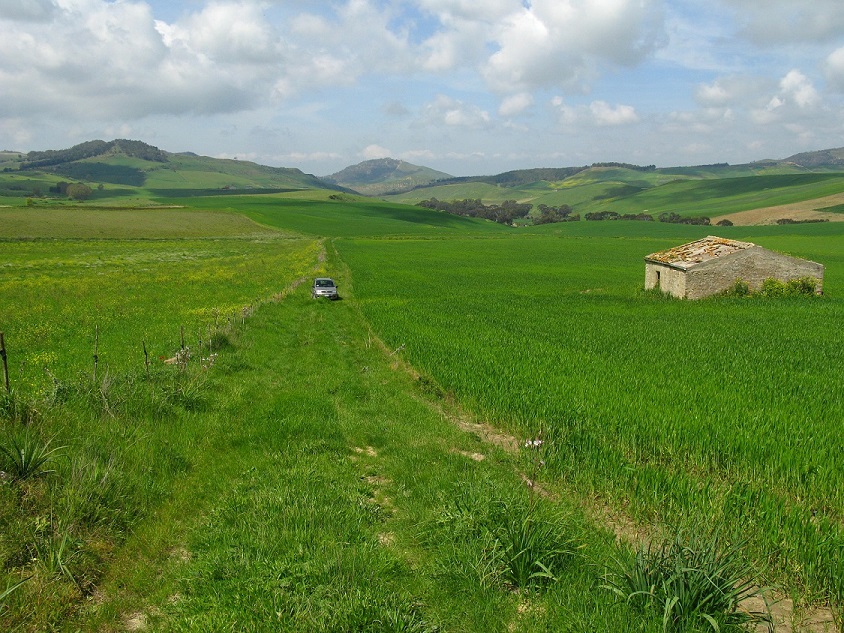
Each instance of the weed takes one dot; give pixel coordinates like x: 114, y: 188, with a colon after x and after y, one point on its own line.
x: 17, y: 408
x: 55, y: 553
x: 8, y: 591
x: 687, y: 583
x: 25, y: 455
x: 533, y: 548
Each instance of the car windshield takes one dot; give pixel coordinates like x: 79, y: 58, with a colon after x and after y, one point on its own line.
x: 323, y: 283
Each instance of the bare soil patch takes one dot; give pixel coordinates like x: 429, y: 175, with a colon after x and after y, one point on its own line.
x: 806, y: 210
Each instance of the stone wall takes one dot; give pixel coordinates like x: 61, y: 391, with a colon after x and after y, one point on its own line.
x: 753, y: 266
x: 665, y: 278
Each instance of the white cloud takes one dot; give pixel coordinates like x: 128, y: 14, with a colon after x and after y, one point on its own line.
x: 834, y: 68
x: 228, y: 32
x: 451, y: 112
x: 15, y: 135
x: 799, y: 88
x: 415, y: 155
x: 598, y: 113
x: 105, y: 60
x: 795, y: 99
x: 371, y: 152
x: 733, y: 90
x: 515, y: 104
x: 565, y: 42
x: 604, y: 114
x: 28, y: 10
x: 308, y: 157
x: 775, y: 22
x: 470, y: 10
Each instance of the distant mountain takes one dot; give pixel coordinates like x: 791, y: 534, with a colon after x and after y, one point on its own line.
x: 383, y: 176
x: 138, y: 164
x: 821, y: 158
x: 515, y: 178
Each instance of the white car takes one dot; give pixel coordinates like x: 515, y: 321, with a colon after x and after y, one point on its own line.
x: 324, y: 287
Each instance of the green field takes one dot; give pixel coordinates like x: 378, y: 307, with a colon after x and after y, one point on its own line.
x: 689, y: 193
x: 360, y: 464
x: 671, y: 404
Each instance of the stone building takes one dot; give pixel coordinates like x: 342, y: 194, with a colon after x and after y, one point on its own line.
x: 714, y: 264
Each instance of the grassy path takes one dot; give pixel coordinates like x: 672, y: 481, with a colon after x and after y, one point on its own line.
x: 330, y: 496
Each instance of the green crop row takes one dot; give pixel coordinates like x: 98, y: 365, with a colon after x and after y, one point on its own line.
x: 722, y: 411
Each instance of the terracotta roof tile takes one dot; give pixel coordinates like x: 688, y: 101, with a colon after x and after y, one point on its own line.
x: 699, y: 251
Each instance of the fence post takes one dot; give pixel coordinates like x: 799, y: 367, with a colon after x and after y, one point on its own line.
x: 146, y: 358
x: 5, y: 365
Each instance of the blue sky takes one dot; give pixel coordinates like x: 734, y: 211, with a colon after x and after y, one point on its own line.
x: 463, y: 86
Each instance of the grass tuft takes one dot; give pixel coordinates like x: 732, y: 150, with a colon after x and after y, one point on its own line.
x: 692, y: 583
x: 24, y: 455
x: 533, y: 548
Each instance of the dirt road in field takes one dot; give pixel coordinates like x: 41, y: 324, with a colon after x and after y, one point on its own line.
x: 807, y: 210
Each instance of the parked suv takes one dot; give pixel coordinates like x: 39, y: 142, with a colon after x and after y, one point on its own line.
x: 324, y: 287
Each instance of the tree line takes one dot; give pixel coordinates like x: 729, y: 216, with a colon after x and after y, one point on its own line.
x: 506, y: 212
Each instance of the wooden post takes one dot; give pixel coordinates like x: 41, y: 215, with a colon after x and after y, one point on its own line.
x: 5, y: 364
x: 96, y: 349
x: 183, y: 361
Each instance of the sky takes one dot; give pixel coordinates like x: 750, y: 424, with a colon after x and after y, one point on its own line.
x: 467, y: 87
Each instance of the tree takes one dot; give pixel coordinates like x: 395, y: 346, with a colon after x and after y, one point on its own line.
x: 78, y: 191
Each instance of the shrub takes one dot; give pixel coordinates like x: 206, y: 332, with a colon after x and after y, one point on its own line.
x: 790, y: 288
x: 740, y: 288
x: 688, y: 584
x: 802, y: 286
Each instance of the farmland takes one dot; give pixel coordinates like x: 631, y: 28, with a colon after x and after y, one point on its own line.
x: 677, y: 407
x: 318, y: 475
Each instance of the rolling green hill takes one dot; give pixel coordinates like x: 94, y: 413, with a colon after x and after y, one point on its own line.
x: 135, y: 169
x: 705, y: 190
x: 130, y: 173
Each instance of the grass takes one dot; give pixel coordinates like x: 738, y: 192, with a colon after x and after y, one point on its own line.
x: 346, y: 216
x: 311, y: 477
x: 324, y: 508
x: 129, y: 294
x: 729, y: 195
x: 93, y: 222
x: 674, y: 406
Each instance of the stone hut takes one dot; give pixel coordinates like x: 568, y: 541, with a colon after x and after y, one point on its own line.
x: 714, y: 264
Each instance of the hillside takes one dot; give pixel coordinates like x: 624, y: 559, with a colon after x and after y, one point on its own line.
x: 384, y: 176
x: 129, y: 163
x: 713, y: 191
x: 805, y: 186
